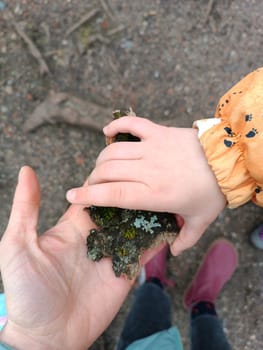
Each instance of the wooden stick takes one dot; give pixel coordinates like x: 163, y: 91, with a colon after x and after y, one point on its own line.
x: 31, y: 46
x: 63, y: 107
x: 87, y: 17
x: 108, y: 10
x: 208, y: 10
x: 116, y: 30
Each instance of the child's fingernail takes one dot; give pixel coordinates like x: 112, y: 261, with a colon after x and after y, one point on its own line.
x: 105, y: 129
x: 175, y: 252
x: 71, y: 195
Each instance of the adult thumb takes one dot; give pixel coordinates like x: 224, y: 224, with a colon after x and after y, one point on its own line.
x: 23, y: 219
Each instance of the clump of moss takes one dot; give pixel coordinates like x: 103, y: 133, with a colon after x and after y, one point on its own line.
x: 125, y: 234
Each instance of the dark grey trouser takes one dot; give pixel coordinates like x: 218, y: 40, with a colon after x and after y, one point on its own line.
x: 151, y: 313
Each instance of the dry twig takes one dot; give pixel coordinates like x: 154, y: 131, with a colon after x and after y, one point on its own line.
x: 107, y: 10
x: 63, y: 107
x: 101, y: 38
x: 31, y: 46
x: 92, y: 39
x: 87, y: 17
x: 208, y: 10
x: 115, y: 30
x: 98, y: 37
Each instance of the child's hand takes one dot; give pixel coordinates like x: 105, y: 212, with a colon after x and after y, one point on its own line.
x: 167, y: 171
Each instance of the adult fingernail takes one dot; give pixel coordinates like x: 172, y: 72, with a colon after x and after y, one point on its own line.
x: 21, y: 172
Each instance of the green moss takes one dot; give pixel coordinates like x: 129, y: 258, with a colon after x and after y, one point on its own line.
x: 130, y: 233
x: 104, y: 215
x: 84, y: 35
x: 125, y: 234
x: 122, y: 252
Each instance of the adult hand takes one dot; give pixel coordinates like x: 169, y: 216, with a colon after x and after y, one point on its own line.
x: 56, y: 297
x: 167, y: 171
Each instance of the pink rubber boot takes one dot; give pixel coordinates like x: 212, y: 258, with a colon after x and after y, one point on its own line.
x: 156, y: 268
x: 215, y: 270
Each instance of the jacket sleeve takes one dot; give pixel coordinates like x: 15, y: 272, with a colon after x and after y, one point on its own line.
x: 5, y: 347
x: 168, y: 339
x: 233, y: 141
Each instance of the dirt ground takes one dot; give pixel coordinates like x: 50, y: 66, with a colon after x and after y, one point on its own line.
x: 170, y: 61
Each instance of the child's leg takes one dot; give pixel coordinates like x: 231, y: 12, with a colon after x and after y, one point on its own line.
x: 215, y: 270
x: 206, y: 329
x: 150, y: 313
x: 151, y: 309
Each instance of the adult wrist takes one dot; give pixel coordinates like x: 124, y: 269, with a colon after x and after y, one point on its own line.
x: 14, y: 340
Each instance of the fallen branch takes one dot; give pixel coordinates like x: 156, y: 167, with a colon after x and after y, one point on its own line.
x: 208, y: 10
x: 92, y: 39
x: 32, y: 47
x: 63, y: 107
x: 87, y: 17
x: 108, y: 10
x: 98, y: 37
x: 116, y: 30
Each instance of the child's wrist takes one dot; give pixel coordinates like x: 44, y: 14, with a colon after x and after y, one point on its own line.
x: 202, y: 125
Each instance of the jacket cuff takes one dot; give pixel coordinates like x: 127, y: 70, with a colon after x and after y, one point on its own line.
x: 225, y: 156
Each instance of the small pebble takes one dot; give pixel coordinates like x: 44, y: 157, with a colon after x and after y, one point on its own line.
x: 3, y: 48
x: 9, y: 90
x: 13, y: 36
x: 156, y: 75
x: 4, y: 109
x: 126, y: 44
x: 18, y: 10
x: 2, y: 5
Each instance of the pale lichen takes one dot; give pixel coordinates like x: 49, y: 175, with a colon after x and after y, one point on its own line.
x: 147, y: 226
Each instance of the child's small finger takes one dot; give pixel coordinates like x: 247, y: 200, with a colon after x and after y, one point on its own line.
x: 188, y: 236
x: 117, y: 170
x: 120, y: 150
x: 136, y: 126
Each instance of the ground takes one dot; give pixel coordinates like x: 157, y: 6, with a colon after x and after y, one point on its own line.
x: 170, y: 61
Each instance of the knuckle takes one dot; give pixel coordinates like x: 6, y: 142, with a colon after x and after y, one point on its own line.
x: 185, y: 241
x: 119, y: 193
x: 100, y: 174
x: 112, y: 151
x: 106, y: 154
x: 105, y: 170
x: 100, y: 157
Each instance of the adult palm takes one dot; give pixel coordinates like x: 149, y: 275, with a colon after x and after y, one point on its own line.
x: 56, y: 297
